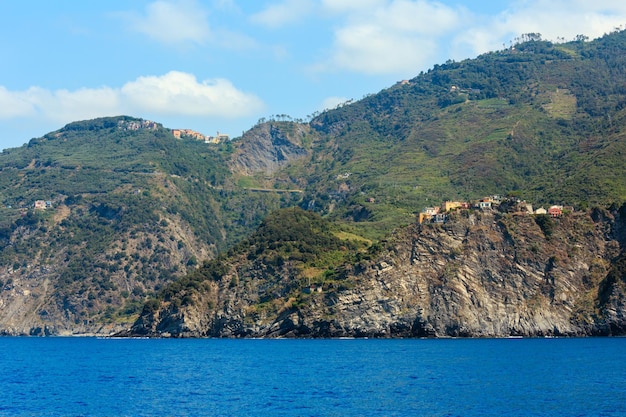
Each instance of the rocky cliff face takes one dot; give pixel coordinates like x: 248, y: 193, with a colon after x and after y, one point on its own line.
x: 482, y: 274
x: 50, y: 294
x: 266, y: 148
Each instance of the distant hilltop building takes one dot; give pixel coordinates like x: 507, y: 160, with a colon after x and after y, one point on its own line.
x: 221, y: 137
x: 43, y: 204
x: 188, y: 133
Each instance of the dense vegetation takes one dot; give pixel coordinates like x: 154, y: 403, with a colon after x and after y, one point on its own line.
x: 130, y: 209
x: 295, y: 247
x: 540, y: 119
x: 133, y: 209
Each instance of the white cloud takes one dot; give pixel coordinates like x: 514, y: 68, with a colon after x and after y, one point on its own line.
x: 172, y: 94
x: 407, y: 17
x: 60, y: 105
x: 15, y: 104
x: 372, y: 50
x: 85, y: 103
x: 332, y: 102
x: 172, y: 22
x: 560, y: 18
x: 406, y: 36
x: 280, y: 14
x: 180, y: 93
x: 388, y: 37
x: 553, y: 19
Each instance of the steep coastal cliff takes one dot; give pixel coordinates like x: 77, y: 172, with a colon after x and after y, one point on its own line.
x: 107, y: 218
x: 481, y: 274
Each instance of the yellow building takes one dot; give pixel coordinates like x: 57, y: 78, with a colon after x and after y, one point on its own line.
x: 450, y: 205
x: 428, y: 213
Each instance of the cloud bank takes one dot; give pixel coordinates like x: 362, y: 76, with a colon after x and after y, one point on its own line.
x: 377, y: 37
x: 404, y: 36
x: 173, y: 94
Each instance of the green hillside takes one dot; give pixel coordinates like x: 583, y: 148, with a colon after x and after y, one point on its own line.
x: 127, y: 208
x: 542, y: 120
x: 291, y: 249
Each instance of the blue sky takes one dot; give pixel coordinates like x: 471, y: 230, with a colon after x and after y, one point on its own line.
x: 221, y: 65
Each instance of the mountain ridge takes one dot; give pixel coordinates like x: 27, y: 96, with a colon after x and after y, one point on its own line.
x: 129, y: 208
x: 135, y: 210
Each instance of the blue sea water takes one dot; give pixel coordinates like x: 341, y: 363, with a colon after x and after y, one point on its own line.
x: 216, y: 377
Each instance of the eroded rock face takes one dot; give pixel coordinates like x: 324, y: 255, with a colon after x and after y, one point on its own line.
x: 482, y: 274
x: 485, y: 275
x: 267, y: 148
x: 37, y: 299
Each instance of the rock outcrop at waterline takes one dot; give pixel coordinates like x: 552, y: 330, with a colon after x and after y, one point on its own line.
x: 482, y: 274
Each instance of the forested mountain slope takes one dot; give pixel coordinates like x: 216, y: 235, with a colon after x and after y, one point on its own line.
x: 540, y: 121
x: 125, y: 208
x: 543, y: 120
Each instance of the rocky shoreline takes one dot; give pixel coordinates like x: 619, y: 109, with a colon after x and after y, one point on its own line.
x: 484, y: 274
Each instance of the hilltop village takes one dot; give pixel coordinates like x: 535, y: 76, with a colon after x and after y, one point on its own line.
x: 192, y: 134
x: 440, y: 214
x: 131, y: 125
x: 177, y: 133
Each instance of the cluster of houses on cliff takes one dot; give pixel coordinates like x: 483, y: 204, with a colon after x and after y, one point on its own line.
x: 439, y: 214
x: 140, y: 124
x: 177, y: 133
x: 188, y: 133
